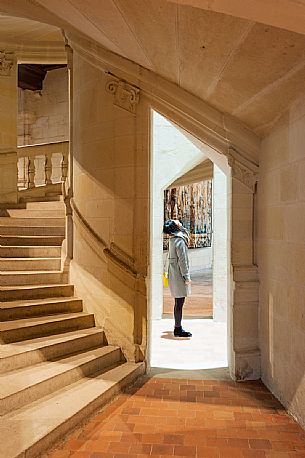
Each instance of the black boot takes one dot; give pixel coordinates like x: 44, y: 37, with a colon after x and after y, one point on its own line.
x: 179, y: 332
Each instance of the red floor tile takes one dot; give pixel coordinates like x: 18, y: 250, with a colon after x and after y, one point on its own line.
x: 198, y: 418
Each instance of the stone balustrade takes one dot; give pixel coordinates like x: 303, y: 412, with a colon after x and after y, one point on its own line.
x: 42, y: 165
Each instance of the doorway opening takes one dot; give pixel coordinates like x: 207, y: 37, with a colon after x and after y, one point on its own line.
x: 189, y: 182
x: 189, y: 200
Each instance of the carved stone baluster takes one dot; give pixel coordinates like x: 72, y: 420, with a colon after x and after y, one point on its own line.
x: 31, y: 173
x: 64, y: 167
x: 48, y: 169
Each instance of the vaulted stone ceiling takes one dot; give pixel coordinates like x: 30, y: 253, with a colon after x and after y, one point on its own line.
x: 20, y: 30
x: 250, y: 70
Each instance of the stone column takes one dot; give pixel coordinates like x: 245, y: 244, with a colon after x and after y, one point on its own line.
x: 244, y: 311
x: 8, y: 127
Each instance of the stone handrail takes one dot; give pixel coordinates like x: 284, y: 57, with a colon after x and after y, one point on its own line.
x: 42, y: 164
x: 100, y: 246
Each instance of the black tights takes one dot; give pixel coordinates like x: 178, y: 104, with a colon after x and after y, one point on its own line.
x: 179, y: 301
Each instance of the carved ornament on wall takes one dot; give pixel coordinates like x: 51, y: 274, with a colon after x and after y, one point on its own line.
x: 126, y: 96
x: 243, y: 173
x: 6, y: 63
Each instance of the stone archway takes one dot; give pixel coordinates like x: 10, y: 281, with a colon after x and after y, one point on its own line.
x: 243, y: 350
x: 137, y: 91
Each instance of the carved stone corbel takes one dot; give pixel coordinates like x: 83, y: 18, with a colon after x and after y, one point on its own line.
x: 247, y: 174
x: 126, y: 96
x: 6, y: 63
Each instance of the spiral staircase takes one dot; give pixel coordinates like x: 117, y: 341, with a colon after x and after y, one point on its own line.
x: 55, y: 364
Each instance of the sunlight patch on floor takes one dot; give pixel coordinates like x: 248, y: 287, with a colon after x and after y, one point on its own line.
x: 207, y: 349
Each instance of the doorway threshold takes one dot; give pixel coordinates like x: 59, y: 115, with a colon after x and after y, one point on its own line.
x: 220, y: 373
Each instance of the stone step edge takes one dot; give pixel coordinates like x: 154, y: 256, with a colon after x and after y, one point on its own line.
x: 34, y: 218
x: 38, y: 374
x: 30, y: 252
x: 28, y: 246
x: 41, y: 344
x: 29, y: 259
x: 38, y: 237
x: 29, y: 272
x: 23, y: 213
x: 5, y: 305
x: 73, y: 406
x: 13, y: 226
x: 28, y: 384
x: 18, y: 310
x: 20, y: 287
x: 39, y: 321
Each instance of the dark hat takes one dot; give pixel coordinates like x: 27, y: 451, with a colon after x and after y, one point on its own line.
x: 170, y: 227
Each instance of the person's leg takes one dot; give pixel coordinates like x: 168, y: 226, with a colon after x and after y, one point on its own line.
x: 178, y: 331
x: 179, y: 301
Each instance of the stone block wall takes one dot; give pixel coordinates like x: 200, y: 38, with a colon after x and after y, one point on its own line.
x: 111, y: 223
x: 43, y: 115
x: 281, y: 246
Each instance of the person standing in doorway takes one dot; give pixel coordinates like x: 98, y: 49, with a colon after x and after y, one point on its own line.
x: 179, y: 279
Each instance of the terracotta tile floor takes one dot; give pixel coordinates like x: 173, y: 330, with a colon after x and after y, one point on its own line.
x: 199, y: 418
x: 199, y: 304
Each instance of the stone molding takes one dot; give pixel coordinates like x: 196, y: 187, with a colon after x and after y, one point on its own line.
x: 6, y: 63
x: 218, y: 130
x: 126, y: 95
x: 245, y: 172
x: 47, y: 53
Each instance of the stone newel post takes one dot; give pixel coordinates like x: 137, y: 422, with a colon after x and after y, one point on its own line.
x: 8, y: 127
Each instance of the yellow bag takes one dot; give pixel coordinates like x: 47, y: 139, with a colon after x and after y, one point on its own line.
x: 165, y: 279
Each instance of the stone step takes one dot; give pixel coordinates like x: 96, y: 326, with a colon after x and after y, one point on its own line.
x: 17, y: 310
x: 52, y: 194
x: 7, y: 221
x: 25, y: 292
x: 30, y: 352
x: 15, y: 264
x: 30, y: 251
x: 23, y: 386
x: 11, y: 205
x: 37, y: 240
x: 39, y: 277
x: 48, y: 420
x: 31, y: 328
x: 32, y: 230
x: 25, y: 213
x: 48, y: 205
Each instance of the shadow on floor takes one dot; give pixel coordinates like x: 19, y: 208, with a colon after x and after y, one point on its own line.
x: 169, y: 335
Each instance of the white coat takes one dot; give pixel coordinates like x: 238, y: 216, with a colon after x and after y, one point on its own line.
x: 178, y: 266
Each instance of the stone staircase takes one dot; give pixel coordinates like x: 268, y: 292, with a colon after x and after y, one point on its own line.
x: 55, y: 365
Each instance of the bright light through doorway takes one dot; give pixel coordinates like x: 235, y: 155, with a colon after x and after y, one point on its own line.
x: 207, y: 349
x: 176, y: 153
